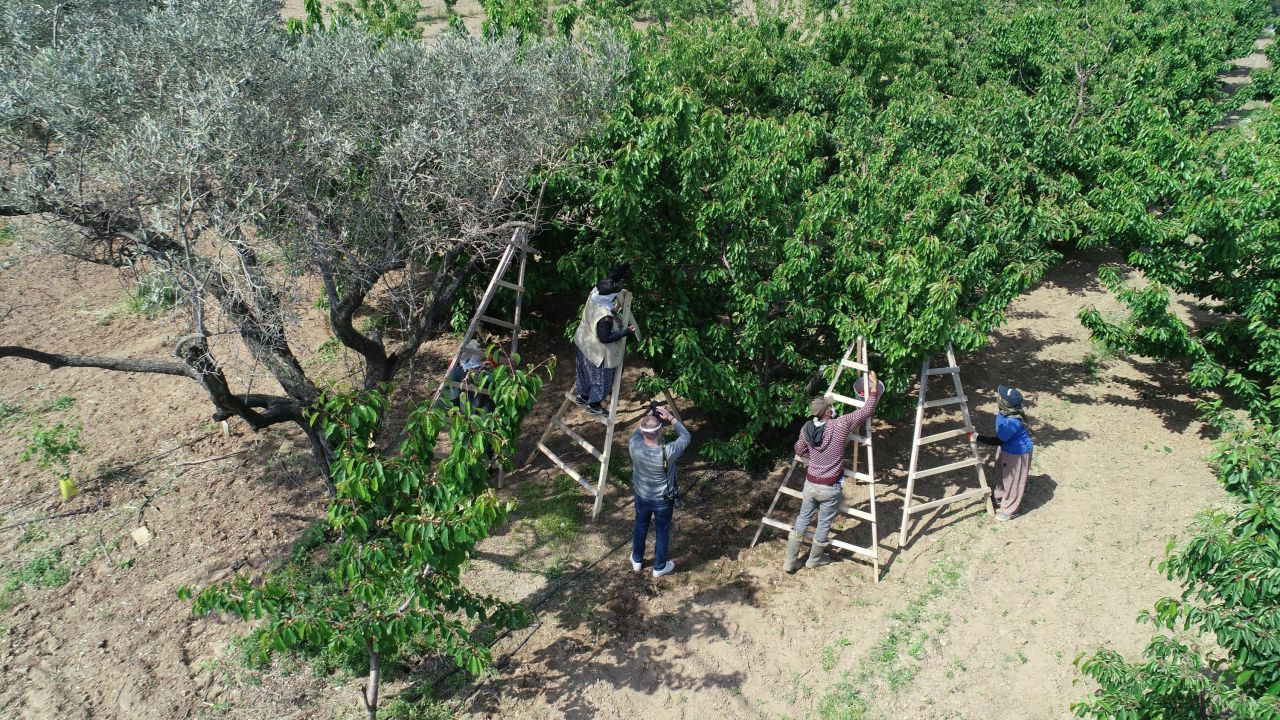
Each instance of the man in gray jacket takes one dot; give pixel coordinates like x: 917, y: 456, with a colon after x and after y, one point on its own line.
x: 653, y: 477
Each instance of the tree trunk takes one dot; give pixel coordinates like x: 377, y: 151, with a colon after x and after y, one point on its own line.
x: 369, y: 694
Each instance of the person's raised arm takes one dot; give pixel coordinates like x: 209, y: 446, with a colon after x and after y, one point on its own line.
x: 683, y: 438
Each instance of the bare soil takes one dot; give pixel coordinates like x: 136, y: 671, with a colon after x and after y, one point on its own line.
x: 1118, y: 469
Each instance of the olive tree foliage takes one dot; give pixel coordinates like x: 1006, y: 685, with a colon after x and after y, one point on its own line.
x: 200, y: 138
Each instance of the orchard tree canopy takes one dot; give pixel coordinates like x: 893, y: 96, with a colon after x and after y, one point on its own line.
x: 200, y: 139
x: 891, y: 168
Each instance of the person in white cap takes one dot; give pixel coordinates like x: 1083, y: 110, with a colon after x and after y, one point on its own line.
x: 1013, y: 459
x: 653, y: 480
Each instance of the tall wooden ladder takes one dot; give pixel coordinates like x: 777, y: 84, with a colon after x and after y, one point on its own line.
x: 857, y: 350
x: 514, y: 255
x: 928, y: 371
x: 604, y: 453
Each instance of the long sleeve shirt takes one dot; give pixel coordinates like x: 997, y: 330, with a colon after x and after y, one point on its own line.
x: 1011, y: 435
x: 826, y: 460
x: 650, y: 475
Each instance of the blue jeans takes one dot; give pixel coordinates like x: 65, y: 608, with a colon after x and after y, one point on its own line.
x: 660, y: 511
x: 826, y: 500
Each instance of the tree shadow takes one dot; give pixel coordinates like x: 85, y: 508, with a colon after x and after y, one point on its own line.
x: 571, y: 669
x: 1040, y: 490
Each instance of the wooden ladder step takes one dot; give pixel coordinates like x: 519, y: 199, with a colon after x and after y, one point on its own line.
x: 566, y: 468
x: 496, y: 321
x: 942, y: 436
x: 946, y: 500
x: 848, y: 400
x: 968, y: 462
x: 843, y: 509
x: 582, y: 442
x: 943, y: 371
x: 865, y: 552
x: 511, y: 286
x: 946, y: 401
x: 855, y: 365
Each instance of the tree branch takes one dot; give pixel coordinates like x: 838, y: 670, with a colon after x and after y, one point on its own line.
x: 57, y: 361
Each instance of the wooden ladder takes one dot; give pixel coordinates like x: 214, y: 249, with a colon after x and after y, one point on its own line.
x: 605, y: 452
x: 927, y: 371
x: 872, y: 552
x: 517, y: 248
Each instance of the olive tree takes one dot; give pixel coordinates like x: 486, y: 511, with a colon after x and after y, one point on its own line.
x: 200, y: 139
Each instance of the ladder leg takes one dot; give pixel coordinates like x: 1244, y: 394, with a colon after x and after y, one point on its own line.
x: 671, y: 403
x: 915, y: 455
x: 973, y: 444
x: 515, y: 332
x: 547, y: 433
x: 786, y: 478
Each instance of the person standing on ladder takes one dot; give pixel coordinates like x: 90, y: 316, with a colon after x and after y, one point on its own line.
x: 653, y: 479
x: 822, y: 440
x: 598, y: 343
x: 1013, y: 458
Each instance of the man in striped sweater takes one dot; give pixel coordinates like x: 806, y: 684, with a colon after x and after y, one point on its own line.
x: 822, y: 440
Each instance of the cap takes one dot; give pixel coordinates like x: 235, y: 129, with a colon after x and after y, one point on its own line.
x: 819, y: 406
x: 1010, y: 395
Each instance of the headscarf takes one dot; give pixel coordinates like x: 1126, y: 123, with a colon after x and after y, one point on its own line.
x: 1010, y: 411
x: 604, y: 300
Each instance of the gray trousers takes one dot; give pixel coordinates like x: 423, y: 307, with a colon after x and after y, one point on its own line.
x: 823, y: 499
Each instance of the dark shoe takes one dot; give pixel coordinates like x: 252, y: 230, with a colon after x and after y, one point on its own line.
x: 818, y: 555
x: 597, y: 409
x: 793, y: 548
x: 578, y: 400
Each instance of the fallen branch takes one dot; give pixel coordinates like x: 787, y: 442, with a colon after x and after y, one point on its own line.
x: 81, y: 511
x: 188, y: 463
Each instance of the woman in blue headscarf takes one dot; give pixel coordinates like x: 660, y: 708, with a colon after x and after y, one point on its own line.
x: 1013, y: 459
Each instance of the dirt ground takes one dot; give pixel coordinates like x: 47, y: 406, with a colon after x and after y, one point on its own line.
x: 971, y: 619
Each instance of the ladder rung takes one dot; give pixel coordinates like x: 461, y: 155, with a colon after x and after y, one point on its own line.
x: 860, y: 514
x: 865, y: 552
x: 510, y: 286
x: 942, y: 436
x: 860, y: 439
x: 860, y: 476
x: 847, y: 400
x: 851, y: 512
x: 568, y: 470
x: 776, y: 523
x: 970, y: 462
x: 954, y: 498
x: 946, y: 401
x: 855, y: 365
x: 582, y: 442
x: 496, y: 321
x: 943, y: 371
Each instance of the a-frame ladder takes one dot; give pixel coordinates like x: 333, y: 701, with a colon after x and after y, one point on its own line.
x: 514, y: 255
x: 928, y: 371
x: 857, y: 350
x: 610, y: 421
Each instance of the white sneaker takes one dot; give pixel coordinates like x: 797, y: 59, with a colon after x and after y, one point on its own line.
x: 666, y: 569
x: 636, y: 564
